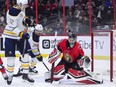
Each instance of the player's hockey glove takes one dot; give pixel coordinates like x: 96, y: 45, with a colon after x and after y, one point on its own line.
x: 26, y: 22
x: 39, y: 57
x: 24, y: 35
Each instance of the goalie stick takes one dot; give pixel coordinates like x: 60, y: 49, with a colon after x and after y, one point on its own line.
x: 52, y: 69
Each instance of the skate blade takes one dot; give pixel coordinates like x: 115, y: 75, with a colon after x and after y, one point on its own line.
x: 25, y: 81
x: 31, y: 73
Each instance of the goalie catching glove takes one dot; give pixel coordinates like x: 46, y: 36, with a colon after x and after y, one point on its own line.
x: 84, y: 62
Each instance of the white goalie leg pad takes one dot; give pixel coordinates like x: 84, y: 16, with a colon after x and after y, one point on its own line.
x: 25, y: 63
x: 10, y: 65
x: 95, y: 76
x: 58, y: 72
x: 84, y: 77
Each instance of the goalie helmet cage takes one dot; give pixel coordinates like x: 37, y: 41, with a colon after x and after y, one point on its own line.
x: 103, y: 49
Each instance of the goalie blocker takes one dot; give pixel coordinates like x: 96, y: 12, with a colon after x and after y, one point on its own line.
x: 73, y: 64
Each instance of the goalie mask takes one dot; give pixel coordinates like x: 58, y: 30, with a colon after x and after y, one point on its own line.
x: 72, y: 38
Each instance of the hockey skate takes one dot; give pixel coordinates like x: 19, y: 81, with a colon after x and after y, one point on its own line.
x: 33, y: 70
x: 5, y: 76
x: 26, y: 77
x: 20, y: 73
x: 9, y: 80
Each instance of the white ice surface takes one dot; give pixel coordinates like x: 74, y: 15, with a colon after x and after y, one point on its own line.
x: 39, y: 79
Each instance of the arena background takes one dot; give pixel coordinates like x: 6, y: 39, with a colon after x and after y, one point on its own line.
x: 80, y: 16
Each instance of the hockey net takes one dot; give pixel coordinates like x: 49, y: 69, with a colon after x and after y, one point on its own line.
x: 103, y: 53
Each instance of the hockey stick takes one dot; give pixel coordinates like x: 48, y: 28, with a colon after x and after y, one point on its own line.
x: 52, y: 69
x: 45, y: 65
x: 25, y: 42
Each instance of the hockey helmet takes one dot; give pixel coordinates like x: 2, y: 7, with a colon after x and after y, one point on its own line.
x: 38, y: 29
x: 72, y: 35
x: 23, y: 2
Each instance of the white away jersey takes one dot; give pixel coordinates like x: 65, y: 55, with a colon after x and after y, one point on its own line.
x: 14, y: 19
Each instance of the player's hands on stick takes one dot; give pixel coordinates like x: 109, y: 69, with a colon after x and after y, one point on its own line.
x: 24, y: 35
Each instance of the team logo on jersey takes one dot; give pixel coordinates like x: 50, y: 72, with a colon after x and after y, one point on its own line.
x: 67, y: 56
x: 46, y: 44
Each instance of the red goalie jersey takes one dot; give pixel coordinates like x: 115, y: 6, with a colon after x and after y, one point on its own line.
x: 70, y: 54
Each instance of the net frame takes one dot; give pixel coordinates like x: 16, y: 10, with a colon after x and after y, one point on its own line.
x: 111, y: 50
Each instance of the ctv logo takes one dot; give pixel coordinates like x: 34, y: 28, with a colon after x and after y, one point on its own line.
x: 46, y: 44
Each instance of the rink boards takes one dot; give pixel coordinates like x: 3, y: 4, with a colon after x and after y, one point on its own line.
x: 101, y: 46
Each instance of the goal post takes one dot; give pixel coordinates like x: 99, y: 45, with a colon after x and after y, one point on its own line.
x: 105, y: 52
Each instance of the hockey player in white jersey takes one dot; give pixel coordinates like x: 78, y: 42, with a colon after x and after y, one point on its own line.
x: 34, y: 53
x: 15, y: 33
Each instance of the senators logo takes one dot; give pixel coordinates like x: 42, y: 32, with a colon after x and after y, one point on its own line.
x: 68, y: 57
